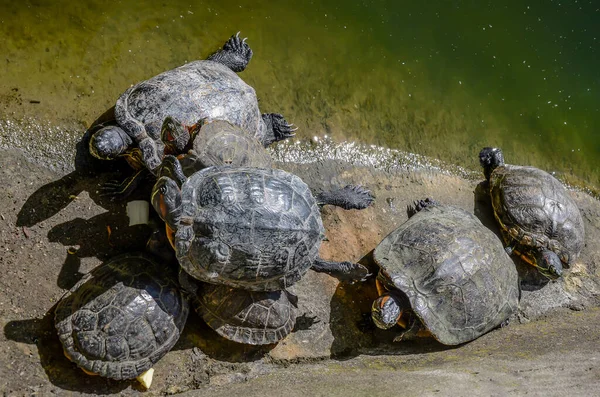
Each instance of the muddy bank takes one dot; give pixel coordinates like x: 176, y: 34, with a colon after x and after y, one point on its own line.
x: 55, y: 227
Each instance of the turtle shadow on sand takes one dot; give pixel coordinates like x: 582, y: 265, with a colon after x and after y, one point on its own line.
x: 529, y: 278
x: 353, y: 330
x: 89, y: 174
x: 101, y: 236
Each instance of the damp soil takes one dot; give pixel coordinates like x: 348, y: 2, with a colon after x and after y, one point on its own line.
x: 54, y: 227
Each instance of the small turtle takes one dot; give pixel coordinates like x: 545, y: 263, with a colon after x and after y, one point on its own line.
x: 122, y: 317
x: 445, y: 269
x: 250, y: 228
x: 539, y: 220
x: 195, y: 91
x: 219, y: 142
x: 207, y: 143
x: 250, y: 317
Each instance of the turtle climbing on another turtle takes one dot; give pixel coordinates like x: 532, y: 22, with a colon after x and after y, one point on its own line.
x: 250, y: 228
x: 195, y: 91
x: 443, y: 272
x: 122, y: 317
x: 539, y: 220
x: 250, y: 317
x: 218, y: 142
x: 207, y: 143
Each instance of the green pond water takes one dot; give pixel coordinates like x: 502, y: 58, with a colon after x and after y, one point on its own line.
x: 436, y: 78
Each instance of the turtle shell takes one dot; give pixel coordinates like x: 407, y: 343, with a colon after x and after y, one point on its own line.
x: 251, y: 228
x: 536, y: 210
x: 221, y: 143
x: 122, y: 317
x: 455, y: 273
x: 197, y: 90
x: 250, y: 317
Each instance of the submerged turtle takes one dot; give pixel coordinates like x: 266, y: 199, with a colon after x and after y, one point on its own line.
x: 251, y: 228
x: 445, y: 269
x: 122, y: 317
x: 250, y: 317
x: 539, y: 220
x: 195, y: 91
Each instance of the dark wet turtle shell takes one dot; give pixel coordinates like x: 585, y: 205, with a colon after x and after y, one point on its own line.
x: 250, y: 228
x: 219, y: 142
x: 198, y: 90
x: 536, y: 210
x: 255, y: 318
x: 459, y: 280
x: 122, y: 317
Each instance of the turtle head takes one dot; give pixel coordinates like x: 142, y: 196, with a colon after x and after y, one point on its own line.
x: 166, y: 200
x: 386, y: 311
x: 490, y: 158
x: 109, y: 142
x: 549, y: 264
x: 174, y: 135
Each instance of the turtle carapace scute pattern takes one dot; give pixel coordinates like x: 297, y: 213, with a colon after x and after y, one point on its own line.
x: 452, y: 270
x: 122, y: 317
x: 250, y: 228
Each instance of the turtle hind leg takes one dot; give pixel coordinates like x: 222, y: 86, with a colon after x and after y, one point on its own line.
x: 418, y: 205
x: 277, y: 129
x: 348, y: 197
x: 343, y: 271
x: 235, y: 54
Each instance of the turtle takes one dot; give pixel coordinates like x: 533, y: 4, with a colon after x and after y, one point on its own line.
x: 249, y: 317
x: 445, y: 273
x: 251, y: 228
x: 122, y: 317
x: 206, y: 143
x: 197, y: 90
x: 218, y: 142
x: 538, y: 219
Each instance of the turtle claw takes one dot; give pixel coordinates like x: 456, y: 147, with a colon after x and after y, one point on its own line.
x: 344, y: 271
x: 113, y: 189
x: 304, y: 322
x: 121, y: 189
x: 235, y: 53
x: 349, y: 197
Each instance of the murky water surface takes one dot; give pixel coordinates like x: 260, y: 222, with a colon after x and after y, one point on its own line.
x: 436, y: 78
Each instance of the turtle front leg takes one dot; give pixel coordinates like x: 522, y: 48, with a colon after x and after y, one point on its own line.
x: 235, y: 54
x: 348, y: 197
x: 137, y: 132
x: 277, y: 129
x: 343, y: 271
